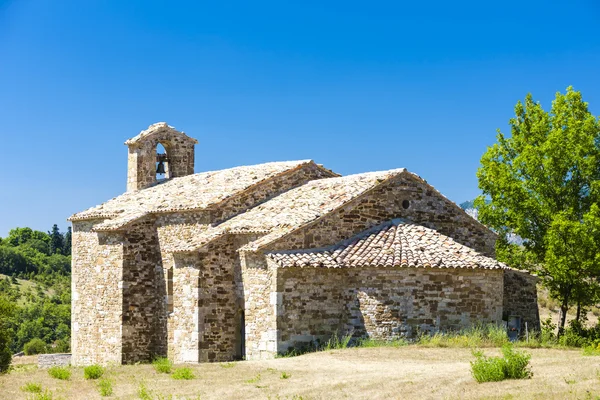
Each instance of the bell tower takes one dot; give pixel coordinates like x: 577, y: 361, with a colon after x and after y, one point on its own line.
x: 158, y: 153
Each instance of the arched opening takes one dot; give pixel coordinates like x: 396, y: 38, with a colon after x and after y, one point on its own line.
x: 162, y: 163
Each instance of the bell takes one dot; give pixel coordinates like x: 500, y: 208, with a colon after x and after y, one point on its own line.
x: 160, y: 168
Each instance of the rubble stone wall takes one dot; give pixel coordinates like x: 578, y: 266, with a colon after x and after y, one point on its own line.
x: 97, y: 303
x: 141, y: 162
x: 382, y: 303
x: 425, y: 207
x: 260, y: 295
x: 520, y: 298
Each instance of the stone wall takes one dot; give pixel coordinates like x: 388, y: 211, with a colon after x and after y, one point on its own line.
x: 382, y: 303
x: 96, y: 284
x: 260, y: 298
x: 142, y: 268
x: 425, y: 207
x: 520, y: 298
x: 141, y: 161
x: 53, y: 360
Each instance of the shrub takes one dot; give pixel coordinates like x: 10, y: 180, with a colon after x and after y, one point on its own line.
x: 93, y: 372
x: 513, y: 365
x: 162, y: 365
x: 61, y: 373
x: 32, y: 387
x: 105, y: 387
x: 5, y: 353
x: 43, y: 396
x: 34, y: 346
x: 337, y: 342
x: 143, y: 392
x: 285, y: 375
x: 183, y: 373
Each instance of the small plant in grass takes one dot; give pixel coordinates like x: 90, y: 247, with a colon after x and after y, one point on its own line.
x: 162, y: 365
x: 93, y: 372
x: 105, y: 387
x: 143, y: 392
x: 46, y: 395
x: 32, y: 387
x: 255, y: 379
x: 183, y: 373
x: 513, y: 365
x: 592, y: 350
x: 337, y: 342
x: 228, y: 365
x: 285, y: 375
x: 62, y: 373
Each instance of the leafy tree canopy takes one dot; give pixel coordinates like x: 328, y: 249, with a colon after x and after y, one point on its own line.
x: 543, y: 184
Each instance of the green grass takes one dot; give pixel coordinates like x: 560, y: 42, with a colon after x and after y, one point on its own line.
x: 143, y: 392
x: 185, y: 373
x: 256, y: 379
x: 512, y: 365
x: 105, y: 387
x: 337, y: 342
x: 368, y: 342
x: 93, y: 372
x: 62, y: 373
x: 32, y: 387
x: 285, y: 375
x: 489, y: 335
x: 228, y: 365
x: 46, y: 395
x: 162, y: 365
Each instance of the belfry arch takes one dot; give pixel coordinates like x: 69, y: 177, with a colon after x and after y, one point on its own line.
x: 159, y: 148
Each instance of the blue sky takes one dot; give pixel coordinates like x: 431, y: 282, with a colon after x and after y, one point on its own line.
x: 356, y: 86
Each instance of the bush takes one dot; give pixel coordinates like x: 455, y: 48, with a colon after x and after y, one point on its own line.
x: 43, y: 396
x: 34, y: 346
x: 32, y: 387
x: 5, y: 353
x: 62, y: 373
x: 93, y: 372
x: 183, y: 373
x: 513, y: 365
x: 162, y: 365
x: 105, y: 387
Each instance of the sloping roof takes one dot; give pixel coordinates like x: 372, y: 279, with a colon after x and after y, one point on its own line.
x: 192, y: 192
x: 294, y: 208
x: 158, y: 128
x: 392, y: 244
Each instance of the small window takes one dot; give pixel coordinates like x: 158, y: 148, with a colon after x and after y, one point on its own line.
x: 405, y: 204
x: 170, y: 290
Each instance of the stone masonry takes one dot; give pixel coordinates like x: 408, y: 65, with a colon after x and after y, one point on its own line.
x: 251, y: 261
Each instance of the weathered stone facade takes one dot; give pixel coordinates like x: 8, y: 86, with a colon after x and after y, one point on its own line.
x: 189, y: 268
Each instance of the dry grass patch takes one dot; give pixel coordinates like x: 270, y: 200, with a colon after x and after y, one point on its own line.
x: 356, y: 373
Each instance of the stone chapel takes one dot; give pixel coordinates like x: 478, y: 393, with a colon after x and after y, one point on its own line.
x: 252, y: 261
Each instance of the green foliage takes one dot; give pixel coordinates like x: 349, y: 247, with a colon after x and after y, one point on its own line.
x: 285, y: 375
x: 34, y: 346
x: 488, y: 335
x: 183, y: 373
x: 143, y: 392
x: 62, y: 373
x: 542, y: 183
x: 6, y: 313
x: 513, y: 365
x: 368, y: 342
x: 162, y: 365
x: 42, y: 302
x: 93, y: 372
x: 105, y: 387
x: 337, y: 342
x: 46, y: 395
x: 32, y: 387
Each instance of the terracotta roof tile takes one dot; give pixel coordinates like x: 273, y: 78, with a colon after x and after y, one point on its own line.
x: 392, y: 244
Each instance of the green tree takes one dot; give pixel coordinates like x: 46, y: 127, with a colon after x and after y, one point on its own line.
x: 56, y: 240
x: 542, y: 183
x: 68, y: 239
x: 6, y: 312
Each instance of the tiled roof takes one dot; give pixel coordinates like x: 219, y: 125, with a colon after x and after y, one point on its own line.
x: 156, y: 128
x: 392, y: 244
x: 294, y: 208
x: 192, y: 192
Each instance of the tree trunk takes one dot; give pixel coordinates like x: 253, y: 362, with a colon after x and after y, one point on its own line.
x: 578, y: 311
x: 564, y: 307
